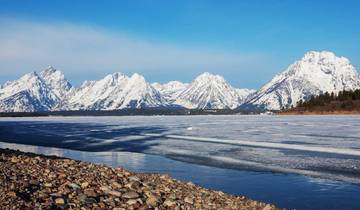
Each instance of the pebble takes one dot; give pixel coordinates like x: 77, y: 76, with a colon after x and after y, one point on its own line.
x: 189, y: 200
x: 59, y: 201
x: 152, y: 201
x: 84, y: 185
x: 169, y: 203
x: 134, y: 178
x: 131, y: 202
x: 11, y: 194
x: 14, y: 159
x: 130, y: 195
x: 116, y: 185
x: 74, y: 186
x: 106, y: 190
x: 115, y: 193
x: 90, y: 193
x: 48, y: 185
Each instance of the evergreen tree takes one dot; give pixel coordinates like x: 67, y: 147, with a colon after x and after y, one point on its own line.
x: 345, y: 99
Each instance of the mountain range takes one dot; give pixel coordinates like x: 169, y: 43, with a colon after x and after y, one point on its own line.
x: 49, y: 90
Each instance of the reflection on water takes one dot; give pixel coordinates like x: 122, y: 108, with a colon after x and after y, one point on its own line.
x: 286, y: 191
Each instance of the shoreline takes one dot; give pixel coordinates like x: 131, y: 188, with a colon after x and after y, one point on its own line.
x: 35, y: 181
x: 318, y: 113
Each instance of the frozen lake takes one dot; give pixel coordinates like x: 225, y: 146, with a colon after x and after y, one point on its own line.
x: 236, y: 154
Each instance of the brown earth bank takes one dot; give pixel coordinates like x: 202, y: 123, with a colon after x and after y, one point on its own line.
x: 335, y: 112
x: 30, y: 181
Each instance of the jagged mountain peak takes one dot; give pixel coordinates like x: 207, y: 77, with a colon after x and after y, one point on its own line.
x: 50, y: 69
x: 26, y: 81
x: 209, y: 91
x: 112, y: 79
x: 109, y: 81
x: 116, y: 75
x: 313, y: 74
x: 325, y: 61
x: 56, y: 80
x: 137, y: 78
x: 323, y: 69
x: 29, y: 93
x: 208, y: 77
x: 137, y: 81
x: 116, y: 91
x: 318, y: 54
x: 87, y: 83
x: 323, y: 56
x: 30, y: 76
x: 139, y: 94
x: 95, y: 95
x: 205, y: 75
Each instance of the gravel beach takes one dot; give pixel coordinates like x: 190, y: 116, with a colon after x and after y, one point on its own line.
x: 30, y: 181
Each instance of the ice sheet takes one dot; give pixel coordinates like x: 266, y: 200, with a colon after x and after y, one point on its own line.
x: 325, y: 146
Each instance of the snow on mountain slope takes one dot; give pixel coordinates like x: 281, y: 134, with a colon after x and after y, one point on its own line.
x: 22, y: 101
x: 209, y: 91
x: 140, y: 94
x: 55, y: 79
x: 115, y: 91
x: 315, y: 73
x: 27, y: 94
x: 244, y: 93
x: 170, y: 90
x: 95, y: 95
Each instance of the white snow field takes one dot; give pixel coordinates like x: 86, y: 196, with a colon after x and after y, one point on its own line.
x: 320, y: 146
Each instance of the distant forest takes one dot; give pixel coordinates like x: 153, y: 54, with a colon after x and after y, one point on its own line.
x: 330, y: 102
x: 130, y: 112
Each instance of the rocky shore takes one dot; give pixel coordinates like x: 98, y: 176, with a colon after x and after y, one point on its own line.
x: 30, y: 181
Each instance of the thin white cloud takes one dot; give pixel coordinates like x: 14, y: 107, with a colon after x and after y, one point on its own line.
x: 27, y: 46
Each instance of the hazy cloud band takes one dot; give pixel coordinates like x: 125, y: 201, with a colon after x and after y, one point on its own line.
x: 76, y: 49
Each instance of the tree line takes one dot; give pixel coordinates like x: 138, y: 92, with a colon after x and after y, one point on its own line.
x: 346, y: 99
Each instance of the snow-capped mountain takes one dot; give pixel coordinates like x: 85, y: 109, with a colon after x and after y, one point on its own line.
x: 35, y: 92
x: 115, y: 91
x: 28, y: 94
x: 55, y: 79
x: 170, y: 90
x: 209, y: 91
x: 140, y: 94
x: 315, y: 73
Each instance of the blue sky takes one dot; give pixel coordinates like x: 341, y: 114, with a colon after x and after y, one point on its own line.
x: 245, y: 41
